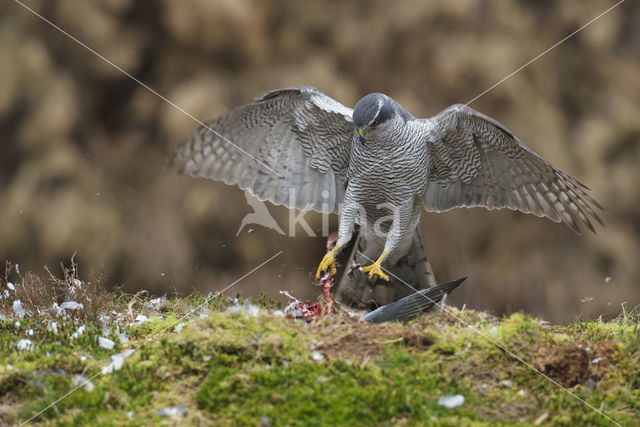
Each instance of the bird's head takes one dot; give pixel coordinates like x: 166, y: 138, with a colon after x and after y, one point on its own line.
x: 374, y: 113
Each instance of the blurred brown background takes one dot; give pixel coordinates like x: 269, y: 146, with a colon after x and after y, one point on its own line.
x: 84, y: 146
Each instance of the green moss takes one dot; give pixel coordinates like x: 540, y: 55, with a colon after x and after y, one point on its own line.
x: 236, y: 368
x: 323, y: 394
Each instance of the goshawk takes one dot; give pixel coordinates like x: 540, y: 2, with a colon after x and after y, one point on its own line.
x: 378, y: 166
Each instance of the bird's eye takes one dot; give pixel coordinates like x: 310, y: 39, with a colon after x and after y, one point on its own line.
x: 374, y: 123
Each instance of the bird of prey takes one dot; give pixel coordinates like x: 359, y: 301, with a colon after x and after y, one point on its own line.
x: 378, y: 167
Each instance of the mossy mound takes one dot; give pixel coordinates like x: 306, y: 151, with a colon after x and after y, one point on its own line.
x: 199, y: 361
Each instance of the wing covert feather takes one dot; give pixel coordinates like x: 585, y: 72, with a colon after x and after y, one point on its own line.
x: 476, y: 161
x: 290, y: 147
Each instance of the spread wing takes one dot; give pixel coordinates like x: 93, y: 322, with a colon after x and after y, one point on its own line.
x: 290, y: 147
x: 476, y: 161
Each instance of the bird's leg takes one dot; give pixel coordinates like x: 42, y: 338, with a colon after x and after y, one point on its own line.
x: 375, y: 270
x: 402, y: 220
x: 332, y: 240
x: 345, y: 230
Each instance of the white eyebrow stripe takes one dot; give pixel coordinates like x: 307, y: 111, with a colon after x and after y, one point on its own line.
x: 380, y: 104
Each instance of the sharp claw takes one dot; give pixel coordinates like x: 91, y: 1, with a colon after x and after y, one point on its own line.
x: 375, y: 271
x: 328, y: 263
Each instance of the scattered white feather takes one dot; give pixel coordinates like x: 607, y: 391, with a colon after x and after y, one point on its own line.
x: 71, y: 305
x: 84, y: 382
x: 157, y: 303
x: 246, y: 308
x: 316, y: 355
x: 79, y: 332
x: 30, y: 332
x: 11, y: 286
x: 18, y: 310
x: 57, y: 311
x: 451, y: 402
x: 116, y: 361
x: 25, y: 344
x: 173, y: 411
x: 140, y: 319
x: 106, y: 343
x: 252, y: 310
x: 178, y: 327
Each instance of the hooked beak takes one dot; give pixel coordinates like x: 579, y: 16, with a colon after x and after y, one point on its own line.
x: 361, y: 135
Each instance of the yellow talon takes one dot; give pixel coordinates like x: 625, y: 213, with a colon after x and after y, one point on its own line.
x: 328, y: 263
x: 375, y: 270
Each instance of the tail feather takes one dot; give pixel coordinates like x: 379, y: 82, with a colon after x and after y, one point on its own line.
x: 410, y: 273
x: 410, y: 306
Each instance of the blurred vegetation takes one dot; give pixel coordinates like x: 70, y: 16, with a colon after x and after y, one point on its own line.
x: 84, y: 146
